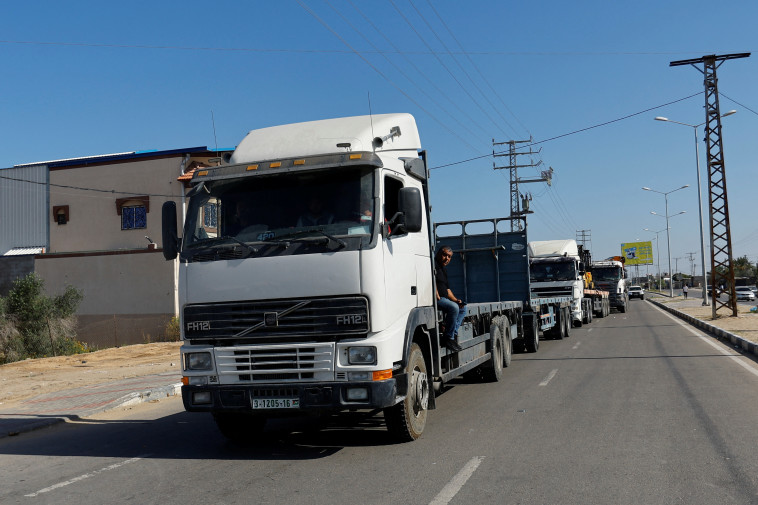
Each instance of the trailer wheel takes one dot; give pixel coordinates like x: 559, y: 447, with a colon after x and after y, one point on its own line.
x: 531, y: 334
x: 239, y: 426
x: 507, y: 343
x: 406, y: 420
x: 493, y: 369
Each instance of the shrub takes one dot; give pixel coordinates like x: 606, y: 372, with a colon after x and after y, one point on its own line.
x: 33, y: 325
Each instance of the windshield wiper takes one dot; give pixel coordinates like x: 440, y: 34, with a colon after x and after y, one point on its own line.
x: 330, y: 238
x: 214, y: 242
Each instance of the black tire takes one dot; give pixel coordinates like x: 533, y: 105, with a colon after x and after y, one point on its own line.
x: 567, y: 325
x: 589, y: 312
x: 558, y: 331
x: 240, y: 427
x: 406, y: 420
x: 531, y: 334
x: 507, y: 343
x: 492, y: 371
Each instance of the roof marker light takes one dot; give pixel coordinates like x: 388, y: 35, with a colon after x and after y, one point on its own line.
x: 356, y: 156
x: 252, y: 167
x: 275, y: 164
x: 202, y: 172
x: 299, y: 162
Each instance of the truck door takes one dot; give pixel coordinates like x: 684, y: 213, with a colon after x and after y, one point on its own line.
x: 400, y: 277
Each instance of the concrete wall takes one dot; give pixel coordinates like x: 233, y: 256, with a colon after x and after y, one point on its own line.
x: 12, y: 268
x: 129, y: 296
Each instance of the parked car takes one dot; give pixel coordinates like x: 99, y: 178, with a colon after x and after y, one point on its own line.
x: 754, y: 289
x: 744, y: 293
x: 636, y: 292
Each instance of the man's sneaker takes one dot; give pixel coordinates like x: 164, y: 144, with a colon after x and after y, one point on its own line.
x: 452, y: 345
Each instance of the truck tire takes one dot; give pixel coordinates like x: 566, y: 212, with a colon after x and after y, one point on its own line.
x: 567, y: 326
x: 239, y: 426
x: 531, y: 334
x: 406, y: 420
x: 507, y: 343
x: 558, y: 331
x: 493, y: 369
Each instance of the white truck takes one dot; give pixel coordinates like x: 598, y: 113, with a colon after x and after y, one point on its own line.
x: 558, y: 268
x: 610, y: 275
x: 306, y: 281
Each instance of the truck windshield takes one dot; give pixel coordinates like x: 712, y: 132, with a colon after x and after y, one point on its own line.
x: 552, y: 271
x: 606, y: 273
x: 271, y: 214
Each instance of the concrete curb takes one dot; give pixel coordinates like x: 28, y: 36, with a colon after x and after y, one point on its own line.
x: 24, y: 423
x: 736, y: 340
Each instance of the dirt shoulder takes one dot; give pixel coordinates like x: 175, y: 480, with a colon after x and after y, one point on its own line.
x: 31, y: 377
x: 744, y: 325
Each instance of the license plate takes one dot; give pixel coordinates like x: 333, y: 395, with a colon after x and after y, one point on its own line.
x: 276, y: 403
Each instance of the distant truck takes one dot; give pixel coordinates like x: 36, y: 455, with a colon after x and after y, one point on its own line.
x: 306, y: 281
x: 610, y: 275
x: 558, y: 268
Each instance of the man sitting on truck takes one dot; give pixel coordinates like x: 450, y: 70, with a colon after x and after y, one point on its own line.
x: 452, y: 307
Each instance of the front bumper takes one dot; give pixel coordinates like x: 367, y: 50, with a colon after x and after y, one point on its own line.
x: 311, y: 396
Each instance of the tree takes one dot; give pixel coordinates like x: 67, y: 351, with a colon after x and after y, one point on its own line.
x: 35, y: 325
x: 743, y: 267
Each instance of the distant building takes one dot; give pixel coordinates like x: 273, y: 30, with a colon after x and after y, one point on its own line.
x: 95, y: 223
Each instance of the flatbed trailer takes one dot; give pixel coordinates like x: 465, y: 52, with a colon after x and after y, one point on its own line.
x: 490, y: 271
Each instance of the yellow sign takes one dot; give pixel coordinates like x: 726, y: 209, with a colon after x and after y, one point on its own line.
x: 637, y: 253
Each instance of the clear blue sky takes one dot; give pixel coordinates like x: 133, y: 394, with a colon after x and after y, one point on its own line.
x: 87, y: 78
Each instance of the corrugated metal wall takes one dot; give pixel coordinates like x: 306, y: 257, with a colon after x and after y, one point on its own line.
x: 23, y: 207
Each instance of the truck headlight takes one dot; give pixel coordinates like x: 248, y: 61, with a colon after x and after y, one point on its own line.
x: 198, y: 361
x: 365, y: 355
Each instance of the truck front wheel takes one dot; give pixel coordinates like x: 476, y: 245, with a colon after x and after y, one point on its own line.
x: 406, y: 420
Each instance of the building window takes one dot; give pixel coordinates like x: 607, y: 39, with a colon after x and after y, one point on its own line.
x: 133, y: 211
x: 210, y: 215
x: 133, y: 217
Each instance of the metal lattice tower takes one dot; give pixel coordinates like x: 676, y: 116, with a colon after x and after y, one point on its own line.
x: 722, y: 266
x: 517, y: 209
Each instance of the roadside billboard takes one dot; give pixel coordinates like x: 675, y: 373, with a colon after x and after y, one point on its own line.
x: 637, y: 253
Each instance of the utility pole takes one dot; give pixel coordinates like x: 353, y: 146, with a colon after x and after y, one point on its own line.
x: 691, y: 259
x: 722, y: 265
x: 584, y: 236
x: 519, y: 202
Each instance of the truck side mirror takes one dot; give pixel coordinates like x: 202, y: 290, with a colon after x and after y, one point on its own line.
x: 409, y: 204
x: 169, y: 234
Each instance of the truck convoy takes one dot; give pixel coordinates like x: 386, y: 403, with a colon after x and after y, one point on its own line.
x: 558, y: 268
x: 306, y: 281
x: 610, y: 275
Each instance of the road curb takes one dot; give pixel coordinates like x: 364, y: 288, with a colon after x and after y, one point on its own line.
x: 736, y: 340
x: 29, y: 422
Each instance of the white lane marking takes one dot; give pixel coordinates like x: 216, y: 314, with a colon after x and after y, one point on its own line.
x: 456, y: 483
x: 83, y: 476
x: 549, y: 377
x: 589, y: 330
x: 720, y: 347
x: 576, y: 346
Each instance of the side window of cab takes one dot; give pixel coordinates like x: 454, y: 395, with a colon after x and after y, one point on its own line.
x: 392, y: 188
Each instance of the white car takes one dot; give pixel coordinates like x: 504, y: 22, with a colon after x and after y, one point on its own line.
x: 744, y: 293
x: 636, y: 292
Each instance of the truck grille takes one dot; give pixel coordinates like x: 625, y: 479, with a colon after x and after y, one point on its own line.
x: 273, y: 321
x: 280, y: 363
x: 546, y: 292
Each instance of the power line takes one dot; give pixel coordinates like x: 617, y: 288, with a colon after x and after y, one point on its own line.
x: 575, y: 131
x: 738, y: 103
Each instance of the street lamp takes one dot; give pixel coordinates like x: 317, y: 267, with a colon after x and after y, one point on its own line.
x: 699, y: 197
x: 658, y: 254
x: 668, y: 234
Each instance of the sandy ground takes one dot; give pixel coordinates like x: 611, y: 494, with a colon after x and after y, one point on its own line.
x: 32, y: 377
x: 744, y: 325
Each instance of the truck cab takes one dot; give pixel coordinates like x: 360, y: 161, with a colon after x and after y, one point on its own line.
x: 610, y: 275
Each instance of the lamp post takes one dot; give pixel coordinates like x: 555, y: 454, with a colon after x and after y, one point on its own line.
x: 658, y: 254
x: 668, y: 234
x: 699, y: 197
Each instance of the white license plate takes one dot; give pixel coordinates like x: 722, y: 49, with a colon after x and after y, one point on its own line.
x: 276, y: 403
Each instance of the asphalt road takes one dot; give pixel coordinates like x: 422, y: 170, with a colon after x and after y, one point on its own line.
x: 635, y: 408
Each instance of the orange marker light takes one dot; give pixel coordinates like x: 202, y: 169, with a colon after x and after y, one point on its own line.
x: 252, y: 167
x: 299, y: 162
x: 356, y: 156
x: 202, y: 172
x: 275, y: 164
x: 381, y: 375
